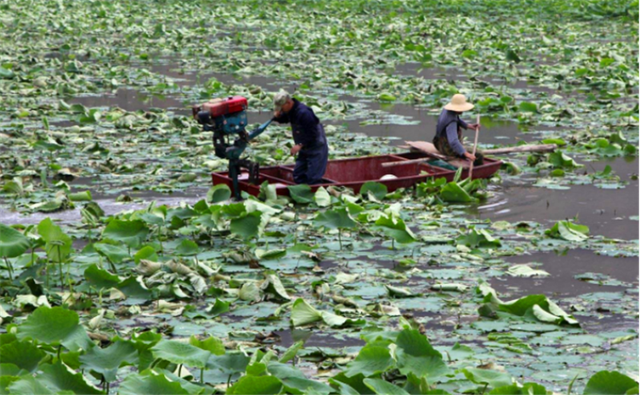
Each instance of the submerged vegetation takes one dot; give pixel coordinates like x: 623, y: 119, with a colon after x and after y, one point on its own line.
x: 104, y: 290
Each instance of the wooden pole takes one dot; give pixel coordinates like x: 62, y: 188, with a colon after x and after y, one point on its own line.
x: 475, y: 145
x: 495, y: 151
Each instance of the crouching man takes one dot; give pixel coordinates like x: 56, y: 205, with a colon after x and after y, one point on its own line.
x: 308, y: 135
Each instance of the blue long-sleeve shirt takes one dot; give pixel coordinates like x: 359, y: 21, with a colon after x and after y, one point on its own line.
x: 448, y: 123
x: 304, y: 126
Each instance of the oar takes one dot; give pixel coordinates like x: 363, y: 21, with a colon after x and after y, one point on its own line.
x: 475, y: 145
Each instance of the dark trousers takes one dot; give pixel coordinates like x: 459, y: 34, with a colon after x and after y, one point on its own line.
x: 311, y: 165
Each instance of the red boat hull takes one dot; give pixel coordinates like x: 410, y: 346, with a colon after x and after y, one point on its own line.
x: 354, y: 172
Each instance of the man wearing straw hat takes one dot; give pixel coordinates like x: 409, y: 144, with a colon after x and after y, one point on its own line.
x: 449, y: 130
x: 308, y: 136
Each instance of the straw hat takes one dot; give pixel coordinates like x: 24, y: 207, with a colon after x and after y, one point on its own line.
x: 458, y: 103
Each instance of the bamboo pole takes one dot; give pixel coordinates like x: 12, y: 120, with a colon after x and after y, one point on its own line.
x: 495, y: 151
x: 475, y: 145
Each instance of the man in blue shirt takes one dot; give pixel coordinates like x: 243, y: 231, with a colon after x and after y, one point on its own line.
x: 308, y: 136
x: 449, y: 129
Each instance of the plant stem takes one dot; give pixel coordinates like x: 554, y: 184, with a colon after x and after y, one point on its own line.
x: 113, y: 266
x: 107, y: 388
x: 229, y: 380
x: 201, y: 375
x: 9, y: 268
x: 60, y: 267
x: 340, y: 238
x: 154, y: 363
x: 59, y: 351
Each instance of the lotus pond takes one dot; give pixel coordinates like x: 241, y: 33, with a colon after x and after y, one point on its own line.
x: 123, y: 271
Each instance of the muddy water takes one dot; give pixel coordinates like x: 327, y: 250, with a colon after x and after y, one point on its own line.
x: 423, y: 126
x: 131, y: 100
x: 562, y: 284
x: 110, y: 207
x: 607, y: 212
x: 562, y: 269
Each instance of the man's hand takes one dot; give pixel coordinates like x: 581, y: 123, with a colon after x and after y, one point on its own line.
x: 473, y: 126
x: 277, y: 114
x: 295, y: 149
x: 469, y: 156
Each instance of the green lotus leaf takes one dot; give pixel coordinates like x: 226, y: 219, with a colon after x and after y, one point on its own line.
x: 218, y: 193
x: 58, y: 244
x: 100, y: 278
x: 187, y: 247
x: 416, y: 355
x: 301, y: 193
x: 322, y: 197
x: 55, y: 325
x: 114, y: 253
x: 56, y: 377
x: 181, y: 353
x: 376, y: 189
x: 371, y: 360
x: 303, y: 314
x: 80, y: 196
x: 12, y: 242
x: 211, y: 344
x: 528, y: 107
x: 514, y: 389
x: 489, y: 377
x: 247, y: 226
x: 151, y: 383
x: 568, y: 231
x: 106, y: 361
x: 379, y: 386
x: 24, y: 355
x: 395, y: 228
x: 131, y: 233
x: 335, y: 219
x: 258, y: 385
x: 610, y: 383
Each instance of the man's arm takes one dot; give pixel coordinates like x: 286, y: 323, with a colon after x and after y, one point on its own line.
x: 452, y: 138
x: 281, y: 117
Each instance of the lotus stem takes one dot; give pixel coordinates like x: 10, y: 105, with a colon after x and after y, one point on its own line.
x: 340, y: 237
x: 9, y: 268
x: 60, y: 267
x: 112, y: 265
x: 201, y: 375
x: 154, y: 363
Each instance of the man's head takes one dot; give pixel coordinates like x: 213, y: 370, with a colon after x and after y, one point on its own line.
x: 458, y: 103
x: 282, y: 102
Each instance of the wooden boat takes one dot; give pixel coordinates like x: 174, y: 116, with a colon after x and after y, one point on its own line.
x: 354, y: 172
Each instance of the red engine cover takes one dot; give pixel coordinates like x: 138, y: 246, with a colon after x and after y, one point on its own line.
x: 228, y: 105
